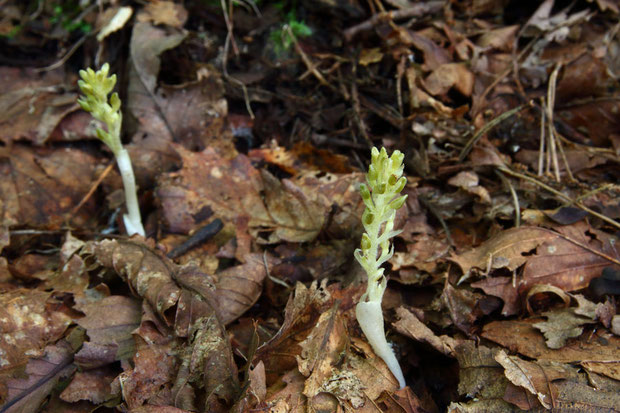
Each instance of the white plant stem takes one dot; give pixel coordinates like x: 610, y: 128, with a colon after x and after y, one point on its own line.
x: 132, y: 220
x: 370, y: 318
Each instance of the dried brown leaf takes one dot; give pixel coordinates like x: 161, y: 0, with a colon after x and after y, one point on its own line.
x: 569, y: 261
x: 300, y: 315
x: 321, y: 350
x: 25, y: 395
x: 505, y: 250
x: 151, y: 378
x: 45, y: 185
x: 27, y: 325
x: 409, y: 325
x: 109, y: 324
x: 193, y: 114
x: 209, y: 184
x: 535, y: 377
x: 32, y: 103
x: 147, y: 272
x: 92, y: 385
x: 164, y: 12
x: 448, y: 76
x: 521, y: 337
x: 207, y: 359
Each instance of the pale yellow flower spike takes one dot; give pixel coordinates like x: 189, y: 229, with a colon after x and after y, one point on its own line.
x: 381, y: 197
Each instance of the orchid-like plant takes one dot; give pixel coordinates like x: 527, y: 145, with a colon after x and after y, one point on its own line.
x: 96, y: 86
x: 381, y: 197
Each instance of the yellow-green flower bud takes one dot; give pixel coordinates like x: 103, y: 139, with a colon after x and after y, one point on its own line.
x: 372, y: 174
x: 398, y: 202
x: 400, y: 184
x: 365, y: 243
x: 367, y: 217
x: 364, y: 192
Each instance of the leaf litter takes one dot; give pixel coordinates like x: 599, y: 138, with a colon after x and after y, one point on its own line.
x: 503, y: 286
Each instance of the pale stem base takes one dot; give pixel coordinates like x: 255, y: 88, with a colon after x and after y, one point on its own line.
x: 132, y: 220
x: 370, y: 318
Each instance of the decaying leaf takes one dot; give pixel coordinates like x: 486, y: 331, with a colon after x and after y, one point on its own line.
x: 147, y: 272
x: 42, y: 374
x: 45, y: 186
x: 151, y: 378
x: 536, y: 378
x: 229, y: 188
x: 109, y: 324
x: 409, y: 325
x: 565, y: 323
x: 92, y: 385
x: 301, y: 312
x: 521, y: 337
x: 27, y: 326
x: 32, y: 104
x: 481, y: 378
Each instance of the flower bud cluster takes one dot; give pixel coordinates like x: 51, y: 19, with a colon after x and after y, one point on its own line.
x: 96, y: 86
x: 381, y: 197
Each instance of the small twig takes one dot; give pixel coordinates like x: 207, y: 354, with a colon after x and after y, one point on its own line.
x: 551, y: 129
x: 541, y: 149
x: 488, y: 126
x: 271, y: 277
x: 416, y: 10
x: 63, y: 59
x: 200, y: 236
x: 515, y: 198
x: 307, y: 61
x: 437, y: 215
x: 94, y: 187
x: 227, y: 42
x: 559, y: 194
x: 357, y: 112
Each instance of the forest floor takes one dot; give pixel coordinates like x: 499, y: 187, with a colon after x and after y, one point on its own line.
x: 250, y: 126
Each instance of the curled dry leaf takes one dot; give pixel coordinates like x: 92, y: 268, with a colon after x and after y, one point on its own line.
x: 147, y: 272
x: 409, y: 325
x: 534, y: 377
x: 300, y: 315
x: 164, y: 284
x: 208, y: 360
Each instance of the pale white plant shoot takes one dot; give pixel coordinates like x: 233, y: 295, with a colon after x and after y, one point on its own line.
x: 96, y: 86
x: 381, y: 197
